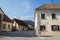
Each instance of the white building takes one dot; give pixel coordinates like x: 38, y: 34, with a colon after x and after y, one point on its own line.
x: 47, y: 19
x: 5, y: 22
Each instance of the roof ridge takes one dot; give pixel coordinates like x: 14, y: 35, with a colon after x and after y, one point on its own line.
x: 49, y: 6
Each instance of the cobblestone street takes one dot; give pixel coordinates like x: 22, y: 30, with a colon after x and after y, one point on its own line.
x: 30, y: 38
x: 26, y: 35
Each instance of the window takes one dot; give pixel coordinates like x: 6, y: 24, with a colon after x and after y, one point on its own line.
x: 4, y: 26
x: 42, y: 16
x: 53, y: 16
x: 42, y: 28
x: 55, y: 27
x: 8, y: 26
x: 19, y: 27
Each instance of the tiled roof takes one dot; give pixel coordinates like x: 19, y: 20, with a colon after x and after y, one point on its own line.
x: 20, y: 22
x: 6, y: 18
x: 49, y: 6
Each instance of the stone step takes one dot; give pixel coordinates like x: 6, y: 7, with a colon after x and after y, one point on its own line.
x: 50, y: 33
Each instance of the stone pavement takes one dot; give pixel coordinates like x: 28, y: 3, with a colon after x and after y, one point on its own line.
x: 30, y: 38
x: 25, y: 35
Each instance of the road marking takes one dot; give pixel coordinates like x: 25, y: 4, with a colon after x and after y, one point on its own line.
x: 42, y: 37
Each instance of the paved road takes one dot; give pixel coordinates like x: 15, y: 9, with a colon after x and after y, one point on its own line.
x: 30, y: 38
x: 18, y: 34
x: 23, y: 35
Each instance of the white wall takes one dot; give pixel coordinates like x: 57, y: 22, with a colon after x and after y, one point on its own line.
x: 37, y: 22
x: 48, y: 21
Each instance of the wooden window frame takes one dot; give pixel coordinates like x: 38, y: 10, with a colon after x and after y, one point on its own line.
x: 55, y: 27
x: 42, y: 16
x: 42, y: 28
x: 53, y: 16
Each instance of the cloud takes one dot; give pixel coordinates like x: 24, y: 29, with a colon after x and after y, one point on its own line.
x: 14, y: 17
x: 26, y: 17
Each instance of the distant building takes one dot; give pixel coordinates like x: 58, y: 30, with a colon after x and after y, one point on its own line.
x: 30, y: 24
x: 19, y: 25
x: 5, y: 22
x: 47, y: 19
x: 31, y: 27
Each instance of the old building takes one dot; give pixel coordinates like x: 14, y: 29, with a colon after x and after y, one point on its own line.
x: 47, y: 19
x: 5, y: 22
x: 19, y: 25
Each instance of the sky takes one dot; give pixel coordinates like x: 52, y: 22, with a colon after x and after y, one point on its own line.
x: 23, y: 9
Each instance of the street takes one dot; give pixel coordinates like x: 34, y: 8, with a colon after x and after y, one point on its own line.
x: 30, y: 38
x: 26, y: 35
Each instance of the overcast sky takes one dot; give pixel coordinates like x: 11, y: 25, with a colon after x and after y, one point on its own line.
x: 23, y: 9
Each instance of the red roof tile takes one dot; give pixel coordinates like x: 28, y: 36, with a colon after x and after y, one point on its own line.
x: 49, y: 6
x: 20, y: 22
x: 6, y: 18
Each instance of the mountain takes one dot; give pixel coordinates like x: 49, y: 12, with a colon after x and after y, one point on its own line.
x: 29, y: 22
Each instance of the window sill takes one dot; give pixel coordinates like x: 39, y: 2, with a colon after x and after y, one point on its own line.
x: 54, y: 19
x: 43, y: 19
x: 42, y: 31
x: 55, y: 31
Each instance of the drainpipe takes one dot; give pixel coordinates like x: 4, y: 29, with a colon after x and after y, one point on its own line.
x: 37, y: 23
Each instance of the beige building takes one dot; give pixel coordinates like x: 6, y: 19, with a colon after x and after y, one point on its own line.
x: 5, y: 22
x: 19, y: 25
x: 47, y: 19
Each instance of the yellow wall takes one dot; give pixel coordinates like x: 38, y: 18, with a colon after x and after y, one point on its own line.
x: 6, y: 27
x: 19, y: 27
